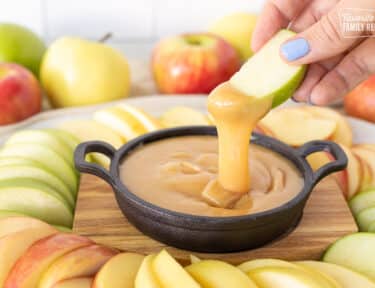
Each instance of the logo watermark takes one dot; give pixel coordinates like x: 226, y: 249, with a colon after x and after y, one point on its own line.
x: 357, y: 23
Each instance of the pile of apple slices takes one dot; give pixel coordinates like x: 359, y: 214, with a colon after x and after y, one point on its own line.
x: 37, y: 176
x: 35, y: 254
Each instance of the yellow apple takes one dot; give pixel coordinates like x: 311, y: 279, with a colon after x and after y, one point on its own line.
x: 237, y: 29
x: 77, y: 72
x: 145, y: 276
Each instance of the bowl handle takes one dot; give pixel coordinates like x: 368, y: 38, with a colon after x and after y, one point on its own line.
x: 92, y: 168
x: 340, y: 160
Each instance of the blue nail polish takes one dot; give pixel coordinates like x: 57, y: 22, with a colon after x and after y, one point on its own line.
x: 295, y: 49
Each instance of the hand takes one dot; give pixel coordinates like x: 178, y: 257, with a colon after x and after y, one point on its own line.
x: 338, y: 64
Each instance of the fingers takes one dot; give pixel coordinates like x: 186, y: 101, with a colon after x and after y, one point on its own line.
x: 276, y: 14
x: 356, y: 67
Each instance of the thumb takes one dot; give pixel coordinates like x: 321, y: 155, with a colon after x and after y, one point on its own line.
x: 321, y: 41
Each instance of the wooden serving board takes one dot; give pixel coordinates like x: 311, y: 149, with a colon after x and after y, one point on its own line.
x: 326, y: 218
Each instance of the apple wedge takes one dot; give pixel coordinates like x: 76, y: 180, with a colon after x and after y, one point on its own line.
x: 367, y: 156
x: 168, y: 272
x: 14, y: 245
x: 29, y: 269
x: 343, y: 133
x: 47, y: 158
x: 183, y: 116
x: 71, y: 140
x: 119, y: 272
x: 8, y: 214
x: 353, y: 173
x: 82, y: 262
x: 266, y: 74
x: 345, y: 277
x: 15, y: 224
x: 145, y: 276
x: 365, y: 218
x: 218, y: 274
x: 362, y: 201
x: 295, y: 127
x: 355, y: 251
x: 75, y: 283
x: 261, y: 263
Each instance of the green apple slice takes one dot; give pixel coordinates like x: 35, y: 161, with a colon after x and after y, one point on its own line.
x: 355, y: 251
x: 362, y: 201
x: 7, y: 214
x: 8, y: 172
x: 365, y: 218
x: 4, y: 161
x: 344, y: 276
x: 36, y: 203
x: 44, y: 138
x: 47, y: 158
x: 69, y: 139
x: 266, y: 74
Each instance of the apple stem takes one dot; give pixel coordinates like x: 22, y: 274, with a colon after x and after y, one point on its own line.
x: 105, y: 37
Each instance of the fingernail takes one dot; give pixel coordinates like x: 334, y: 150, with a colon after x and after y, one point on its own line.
x: 295, y: 49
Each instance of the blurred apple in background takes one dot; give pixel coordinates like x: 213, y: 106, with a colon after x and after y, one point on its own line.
x: 77, y: 72
x: 193, y: 63
x: 361, y: 101
x: 20, y: 45
x: 20, y: 94
x: 237, y: 29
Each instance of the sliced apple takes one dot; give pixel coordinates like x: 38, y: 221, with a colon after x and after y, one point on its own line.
x: 145, y: 275
x: 371, y: 228
x: 355, y: 251
x: 296, y: 127
x: 82, y: 262
x: 261, y: 263
x: 343, y: 133
x: 183, y: 116
x: 75, y: 283
x: 47, y: 158
x: 8, y: 214
x: 37, y: 202
x: 150, y: 123
x: 367, y: 179
x: 367, y: 156
x: 365, y: 218
x: 194, y: 259
x: 15, y: 224
x: 29, y: 269
x: 218, y: 274
x: 168, y: 272
x: 353, y: 172
x: 37, y: 174
x: 119, y: 272
x: 366, y: 146
x: 266, y: 74
x: 71, y: 140
x: 14, y: 245
x: 345, y: 277
x: 362, y: 201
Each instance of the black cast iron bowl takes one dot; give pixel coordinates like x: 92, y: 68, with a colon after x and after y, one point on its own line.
x: 202, y: 233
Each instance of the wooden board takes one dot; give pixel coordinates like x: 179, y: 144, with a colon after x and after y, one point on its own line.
x: 326, y: 218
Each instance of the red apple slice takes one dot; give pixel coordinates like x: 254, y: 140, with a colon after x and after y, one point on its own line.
x: 368, y: 157
x: 354, y: 174
x: 11, y: 225
x: 76, y: 283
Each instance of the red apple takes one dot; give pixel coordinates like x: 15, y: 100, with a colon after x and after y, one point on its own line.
x: 361, y: 101
x: 193, y: 63
x: 20, y: 94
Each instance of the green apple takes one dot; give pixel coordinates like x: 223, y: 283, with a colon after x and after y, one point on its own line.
x: 365, y: 218
x: 34, y: 201
x: 4, y: 161
x: 63, y: 229
x: 20, y: 45
x: 371, y: 227
x: 43, y: 137
x: 47, y: 158
x: 76, y: 72
x: 355, y: 251
x: 7, y: 214
x: 266, y: 74
x: 237, y: 29
x: 37, y: 173
x: 71, y: 140
x: 345, y: 277
x: 362, y: 201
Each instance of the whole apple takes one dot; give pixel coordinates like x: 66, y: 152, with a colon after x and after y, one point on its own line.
x: 77, y: 72
x: 361, y: 101
x: 20, y: 94
x: 193, y: 63
x: 20, y: 45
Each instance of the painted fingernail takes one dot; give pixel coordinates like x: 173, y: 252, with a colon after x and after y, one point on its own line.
x: 295, y: 49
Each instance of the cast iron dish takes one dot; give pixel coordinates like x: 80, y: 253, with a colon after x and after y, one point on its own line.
x: 202, y: 233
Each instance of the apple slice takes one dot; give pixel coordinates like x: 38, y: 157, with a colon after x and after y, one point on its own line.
x: 82, y: 262
x: 38, y: 174
x: 75, y: 283
x: 266, y: 74
x: 168, y: 272
x: 183, y: 116
x: 8, y: 214
x: 371, y: 228
x: 71, y: 140
x: 28, y: 270
x: 36, y: 202
x: 367, y: 156
x: 194, y: 259
x: 367, y: 179
x: 365, y: 218
x: 355, y: 251
x: 119, y: 272
x: 15, y: 224
x: 218, y: 274
x: 353, y: 172
x: 145, y: 276
x: 343, y: 133
x: 296, y: 127
x: 14, y: 245
x: 261, y: 263
x: 44, y: 138
x: 362, y: 201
